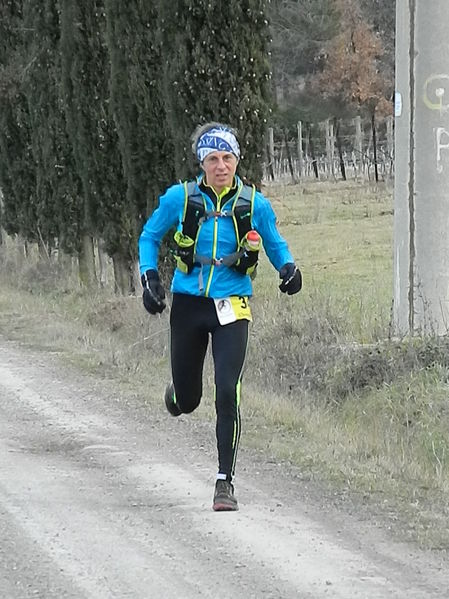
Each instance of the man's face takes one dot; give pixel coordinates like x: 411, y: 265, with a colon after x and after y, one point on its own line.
x: 219, y: 169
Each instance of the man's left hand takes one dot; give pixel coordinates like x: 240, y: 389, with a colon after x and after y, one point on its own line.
x: 291, y: 279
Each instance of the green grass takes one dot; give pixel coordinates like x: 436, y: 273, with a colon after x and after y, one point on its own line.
x: 341, y: 236
x: 325, y: 387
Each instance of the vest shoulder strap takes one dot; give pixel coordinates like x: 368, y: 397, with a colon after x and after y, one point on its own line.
x: 248, y: 192
x: 243, y: 211
x: 194, y: 209
x: 192, y: 189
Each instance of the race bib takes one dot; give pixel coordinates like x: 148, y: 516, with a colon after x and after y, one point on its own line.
x: 230, y: 309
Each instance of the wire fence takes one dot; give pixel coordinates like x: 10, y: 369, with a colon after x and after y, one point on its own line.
x: 333, y: 149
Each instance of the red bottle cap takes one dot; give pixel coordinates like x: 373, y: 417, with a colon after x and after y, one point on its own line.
x: 253, y: 236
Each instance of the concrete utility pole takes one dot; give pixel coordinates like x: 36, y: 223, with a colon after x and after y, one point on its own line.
x: 421, y: 220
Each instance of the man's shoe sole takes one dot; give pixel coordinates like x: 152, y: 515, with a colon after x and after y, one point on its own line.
x: 222, y: 506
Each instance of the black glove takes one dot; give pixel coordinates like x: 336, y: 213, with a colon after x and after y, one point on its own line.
x: 153, y: 292
x: 291, y: 279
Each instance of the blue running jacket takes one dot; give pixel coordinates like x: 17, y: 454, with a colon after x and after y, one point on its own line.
x: 216, y: 238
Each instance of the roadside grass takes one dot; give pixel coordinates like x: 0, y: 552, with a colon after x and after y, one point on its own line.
x: 325, y: 387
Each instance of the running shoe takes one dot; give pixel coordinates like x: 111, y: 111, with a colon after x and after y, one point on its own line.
x: 224, y: 499
x: 170, y: 401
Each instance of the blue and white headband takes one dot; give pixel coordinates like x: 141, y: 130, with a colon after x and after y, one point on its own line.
x: 217, y: 139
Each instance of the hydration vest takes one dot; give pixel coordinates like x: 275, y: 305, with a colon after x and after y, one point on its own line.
x: 244, y: 259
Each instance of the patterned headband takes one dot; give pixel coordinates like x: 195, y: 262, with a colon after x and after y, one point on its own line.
x: 217, y: 139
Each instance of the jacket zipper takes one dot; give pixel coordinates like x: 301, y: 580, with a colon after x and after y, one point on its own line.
x: 214, y: 249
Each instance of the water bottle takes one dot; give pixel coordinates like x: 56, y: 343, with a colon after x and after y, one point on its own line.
x: 252, y: 241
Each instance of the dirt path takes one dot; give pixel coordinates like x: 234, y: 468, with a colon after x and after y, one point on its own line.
x: 102, y: 497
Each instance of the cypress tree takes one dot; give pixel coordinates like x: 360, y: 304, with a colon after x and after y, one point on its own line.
x: 139, y: 111
x: 217, y: 68
x: 57, y: 187
x: 81, y: 101
x: 17, y: 172
x: 93, y: 135
x: 69, y: 24
x: 37, y: 92
x: 137, y: 102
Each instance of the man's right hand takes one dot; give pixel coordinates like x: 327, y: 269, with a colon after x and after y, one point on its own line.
x: 153, y: 292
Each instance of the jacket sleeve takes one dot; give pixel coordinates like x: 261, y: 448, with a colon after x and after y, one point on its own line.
x: 264, y: 221
x: 167, y: 214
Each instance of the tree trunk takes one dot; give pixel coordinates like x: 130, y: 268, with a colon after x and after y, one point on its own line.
x: 65, y: 261
x: 44, y: 253
x: 21, y: 251
x: 123, y: 275
x: 86, y: 262
x: 312, y: 153
x: 306, y: 152
x: 289, y: 157
x: 390, y: 142
x: 101, y: 264
x: 373, y: 127
x: 270, y: 152
x: 2, y: 208
x: 338, y: 143
x: 330, y: 146
x: 359, y: 144
x: 300, y: 152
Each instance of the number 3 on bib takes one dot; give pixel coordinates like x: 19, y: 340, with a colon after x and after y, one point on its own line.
x: 230, y: 309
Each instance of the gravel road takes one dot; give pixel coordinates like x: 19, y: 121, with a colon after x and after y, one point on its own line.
x: 104, y: 496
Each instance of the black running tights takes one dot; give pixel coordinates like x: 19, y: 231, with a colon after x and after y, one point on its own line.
x: 192, y: 320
